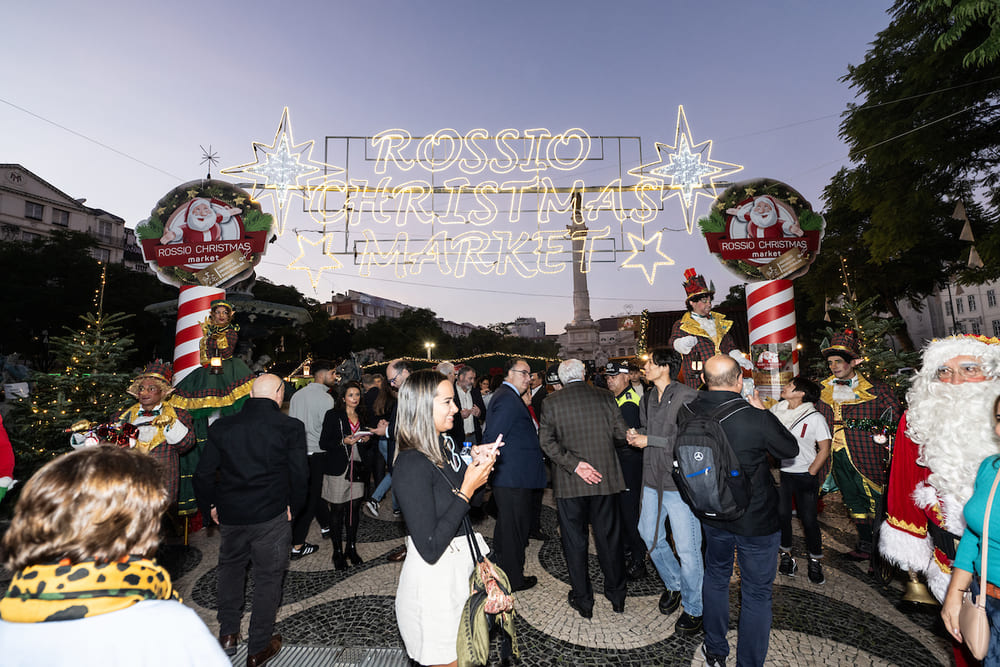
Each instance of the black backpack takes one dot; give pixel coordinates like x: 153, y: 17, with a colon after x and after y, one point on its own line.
x: 706, y: 471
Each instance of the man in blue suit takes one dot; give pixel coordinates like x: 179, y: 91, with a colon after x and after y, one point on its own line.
x: 519, y: 470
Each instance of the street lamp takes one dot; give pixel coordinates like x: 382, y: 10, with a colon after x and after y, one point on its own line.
x: 429, y: 346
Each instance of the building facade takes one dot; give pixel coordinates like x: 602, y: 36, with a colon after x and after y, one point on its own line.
x: 32, y: 208
x: 362, y: 309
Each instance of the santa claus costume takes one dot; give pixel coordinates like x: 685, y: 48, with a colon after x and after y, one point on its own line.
x: 938, y: 451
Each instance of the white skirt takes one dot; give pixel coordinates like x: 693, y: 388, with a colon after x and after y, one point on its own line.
x: 430, y: 598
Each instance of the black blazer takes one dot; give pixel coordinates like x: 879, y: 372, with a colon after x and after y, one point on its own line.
x: 260, y: 456
x: 336, y: 427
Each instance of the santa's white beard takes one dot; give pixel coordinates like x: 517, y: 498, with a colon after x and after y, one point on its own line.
x: 953, y: 428
x: 764, y: 221
x: 201, y: 224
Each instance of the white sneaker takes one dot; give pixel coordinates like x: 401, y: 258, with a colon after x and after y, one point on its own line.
x: 371, y: 508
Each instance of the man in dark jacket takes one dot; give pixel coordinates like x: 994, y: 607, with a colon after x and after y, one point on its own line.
x: 519, y: 471
x: 468, y: 423
x: 260, y: 457
x: 753, y: 432
x: 580, y: 427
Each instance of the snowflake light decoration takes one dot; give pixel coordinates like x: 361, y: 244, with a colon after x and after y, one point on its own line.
x: 689, y: 168
x: 280, y: 166
x: 639, y: 246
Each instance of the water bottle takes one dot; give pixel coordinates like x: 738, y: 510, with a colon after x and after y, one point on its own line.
x: 467, y: 452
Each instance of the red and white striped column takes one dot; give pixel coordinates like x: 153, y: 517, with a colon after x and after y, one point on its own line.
x: 194, y: 304
x: 773, y: 341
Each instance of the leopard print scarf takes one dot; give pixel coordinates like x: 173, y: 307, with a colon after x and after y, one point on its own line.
x: 66, y: 591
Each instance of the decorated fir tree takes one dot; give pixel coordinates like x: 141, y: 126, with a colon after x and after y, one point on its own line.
x: 90, y: 384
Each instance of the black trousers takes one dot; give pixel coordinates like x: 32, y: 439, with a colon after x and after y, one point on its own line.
x: 315, y: 507
x: 804, y: 488
x: 630, y: 502
x: 510, y: 537
x: 265, y: 546
x: 344, y: 515
x: 576, y: 515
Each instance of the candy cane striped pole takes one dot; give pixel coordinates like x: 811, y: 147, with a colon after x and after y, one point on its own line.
x: 193, y: 306
x: 771, y: 316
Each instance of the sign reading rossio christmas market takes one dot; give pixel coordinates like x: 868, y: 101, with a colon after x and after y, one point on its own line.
x: 766, y: 233
x: 204, y: 232
x: 762, y: 229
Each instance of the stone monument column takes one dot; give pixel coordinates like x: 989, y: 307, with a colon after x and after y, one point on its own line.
x: 583, y: 339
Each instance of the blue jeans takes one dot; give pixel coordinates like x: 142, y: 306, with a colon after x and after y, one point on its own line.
x: 686, y: 576
x: 383, y: 487
x: 758, y: 559
x: 992, y: 658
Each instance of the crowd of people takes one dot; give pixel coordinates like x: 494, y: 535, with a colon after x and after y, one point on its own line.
x: 450, y: 447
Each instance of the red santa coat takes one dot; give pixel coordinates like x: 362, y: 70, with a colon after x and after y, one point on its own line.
x: 914, y: 516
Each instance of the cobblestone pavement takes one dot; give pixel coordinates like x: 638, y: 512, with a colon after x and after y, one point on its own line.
x: 850, y: 620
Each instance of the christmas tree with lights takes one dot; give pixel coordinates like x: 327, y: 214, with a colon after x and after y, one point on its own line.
x: 874, y: 333
x: 89, y: 387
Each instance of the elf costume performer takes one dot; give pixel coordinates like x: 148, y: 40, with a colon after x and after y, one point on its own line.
x: 218, y: 387
x: 700, y: 333
x: 945, y: 434
x: 153, y: 425
x: 862, y: 414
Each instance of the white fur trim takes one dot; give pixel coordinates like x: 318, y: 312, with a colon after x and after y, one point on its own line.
x: 924, y: 496
x: 904, y: 550
x: 5, y: 482
x: 937, y: 581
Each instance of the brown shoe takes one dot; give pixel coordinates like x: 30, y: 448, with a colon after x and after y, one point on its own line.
x: 229, y: 642
x: 271, y: 650
x: 397, y: 555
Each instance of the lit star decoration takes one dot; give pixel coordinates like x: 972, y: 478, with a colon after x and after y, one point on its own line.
x: 639, y: 246
x: 689, y: 168
x: 281, y: 165
x: 314, y: 278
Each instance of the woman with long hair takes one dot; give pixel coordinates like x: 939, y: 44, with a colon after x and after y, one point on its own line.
x: 86, y: 590
x: 344, y: 476
x: 968, y: 566
x: 434, y: 485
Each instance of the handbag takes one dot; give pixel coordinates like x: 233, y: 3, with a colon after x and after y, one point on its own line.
x: 490, y: 603
x: 972, y: 619
x: 356, y: 471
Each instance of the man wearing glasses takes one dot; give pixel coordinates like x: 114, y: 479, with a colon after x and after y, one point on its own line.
x: 519, y: 470
x: 396, y: 372
x: 945, y: 434
x: 860, y: 413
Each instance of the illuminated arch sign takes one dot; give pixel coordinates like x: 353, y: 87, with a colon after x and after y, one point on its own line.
x: 480, y: 200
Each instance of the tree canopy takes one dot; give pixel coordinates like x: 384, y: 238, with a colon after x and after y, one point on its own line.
x: 965, y: 15
x: 923, y: 135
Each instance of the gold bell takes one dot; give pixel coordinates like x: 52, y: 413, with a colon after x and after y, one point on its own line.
x: 916, y: 592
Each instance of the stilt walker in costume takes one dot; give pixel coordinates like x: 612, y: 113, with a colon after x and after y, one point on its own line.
x: 859, y: 412
x: 700, y: 333
x: 945, y: 434
x: 218, y: 387
x: 153, y: 425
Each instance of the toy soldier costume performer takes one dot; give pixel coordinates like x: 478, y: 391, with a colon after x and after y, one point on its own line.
x: 859, y: 412
x: 700, y: 333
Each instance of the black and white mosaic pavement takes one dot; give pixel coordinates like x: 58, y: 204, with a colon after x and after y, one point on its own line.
x: 851, y: 620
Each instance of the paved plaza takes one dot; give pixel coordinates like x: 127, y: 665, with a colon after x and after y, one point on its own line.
x: 346, y: 618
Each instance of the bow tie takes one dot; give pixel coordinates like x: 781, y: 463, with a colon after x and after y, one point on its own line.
x: 149, y: 413
x: 846, y: 383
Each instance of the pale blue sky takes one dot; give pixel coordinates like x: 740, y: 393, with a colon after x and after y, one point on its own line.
x: 157, y: 81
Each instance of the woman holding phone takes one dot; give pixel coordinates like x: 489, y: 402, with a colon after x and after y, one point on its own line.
x: 435, y: 486
x: 344, y: 478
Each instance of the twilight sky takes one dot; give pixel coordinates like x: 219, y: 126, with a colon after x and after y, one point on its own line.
x: 153, y: 83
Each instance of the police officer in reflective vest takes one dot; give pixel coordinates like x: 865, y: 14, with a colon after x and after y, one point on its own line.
x: 617, y: 374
